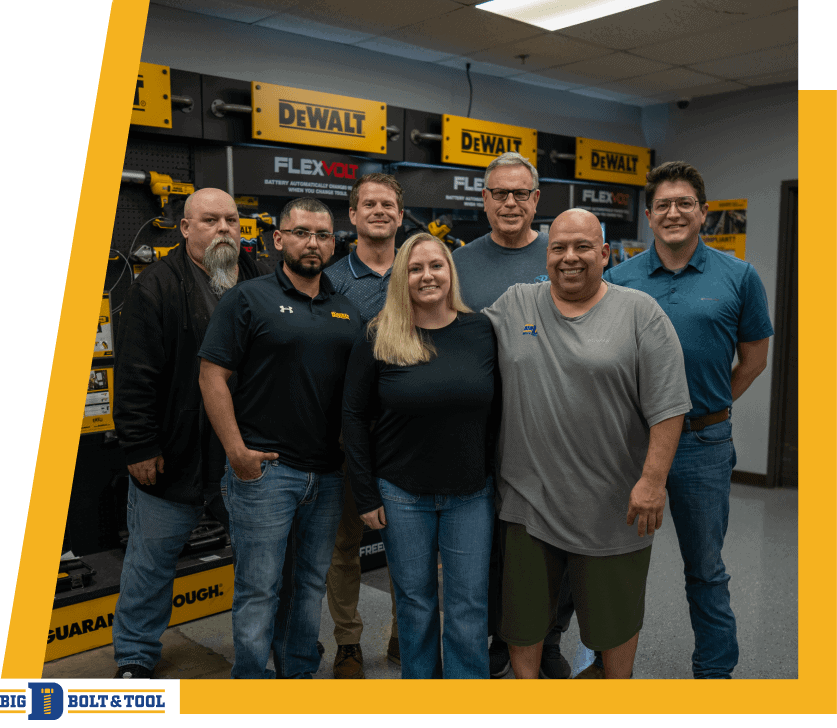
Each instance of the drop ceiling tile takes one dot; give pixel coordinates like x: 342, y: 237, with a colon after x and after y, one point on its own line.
x: 313, y: 29
x: 374, y: 16
x: 242, y: 12
x: 544, y: 51
x: 647, y: 24
x: 382, y: 44
x: 485, y: 69
x: 614, y: 66
x: 464, y: 31
x: 734, y: 39
x: 766, y: 79
x: 769, y: 60
x: 662, y: 81
x: 746, y: 8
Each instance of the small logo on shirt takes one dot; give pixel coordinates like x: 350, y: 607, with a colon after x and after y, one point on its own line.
x: 708, y: 299
x: 541, y: 279
x: 530, y: 329
x: 335, y: 314
x: 283, y: 309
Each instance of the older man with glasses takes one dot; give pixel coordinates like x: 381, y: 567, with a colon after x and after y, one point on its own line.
x: 719, y: 309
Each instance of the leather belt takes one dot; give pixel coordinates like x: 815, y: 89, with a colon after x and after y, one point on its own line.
x: 696, y: 424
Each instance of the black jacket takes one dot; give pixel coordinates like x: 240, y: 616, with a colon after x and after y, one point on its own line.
x: 157, y: 401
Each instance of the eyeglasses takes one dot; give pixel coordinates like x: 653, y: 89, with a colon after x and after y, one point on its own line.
x: 302, y: 234
x: 502, y: 195
x: 684, y: 204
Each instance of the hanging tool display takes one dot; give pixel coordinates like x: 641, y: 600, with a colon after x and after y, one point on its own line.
x: 164, y: 188
x: 440, y: 228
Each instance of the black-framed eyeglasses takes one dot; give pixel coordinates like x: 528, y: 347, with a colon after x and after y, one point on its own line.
x: 684, y: 204
x: 502, y: 195
x: 303, y: 234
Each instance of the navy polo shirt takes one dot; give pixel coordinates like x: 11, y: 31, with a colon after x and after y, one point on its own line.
x: 714, y: 302
x: 365, y: 288
x: 289, y: 352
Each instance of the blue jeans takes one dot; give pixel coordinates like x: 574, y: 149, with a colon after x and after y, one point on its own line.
x: 264, y: 512
x: 157, y: 531
x: 698, y: 487
x: 459, y: 528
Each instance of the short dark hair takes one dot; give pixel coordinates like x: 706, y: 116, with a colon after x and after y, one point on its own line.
x: 387, y: 180
x: 306, y: 204
x: 673, y: 172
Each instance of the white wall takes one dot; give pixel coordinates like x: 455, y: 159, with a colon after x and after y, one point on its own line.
x: 745, y: 145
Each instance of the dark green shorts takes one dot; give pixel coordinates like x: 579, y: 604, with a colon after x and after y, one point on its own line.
x: 608, y: 591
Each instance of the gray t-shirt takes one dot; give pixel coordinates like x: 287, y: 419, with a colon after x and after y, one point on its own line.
x: 579, y: 396
x: 486, y: 270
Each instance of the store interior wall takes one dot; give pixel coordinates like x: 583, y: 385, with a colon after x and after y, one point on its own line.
x: 745, y: 146
x: 744, y: 143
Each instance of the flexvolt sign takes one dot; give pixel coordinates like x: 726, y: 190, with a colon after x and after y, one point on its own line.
x: 284, y: 114
x: 611, y: 162
x: 297, y: 172
x: 474, y: 142
x: 152, y: 96
x: 606, y: 203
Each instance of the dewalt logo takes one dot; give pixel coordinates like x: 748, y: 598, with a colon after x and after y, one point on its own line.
x: 327, y: 119
x: 490, y: 145
x: 335, y: 314
x: 606, y: 161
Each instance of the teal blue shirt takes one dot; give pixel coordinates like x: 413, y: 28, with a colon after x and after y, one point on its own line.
x: 715, y: 302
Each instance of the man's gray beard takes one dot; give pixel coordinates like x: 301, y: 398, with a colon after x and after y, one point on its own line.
x: 220, y: 261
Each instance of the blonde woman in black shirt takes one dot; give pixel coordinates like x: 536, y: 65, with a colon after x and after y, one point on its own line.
x: 425, y: 374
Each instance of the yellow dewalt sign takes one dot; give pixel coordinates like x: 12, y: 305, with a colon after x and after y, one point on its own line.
x: 477, y: 143
x: 86, y: 625
x: 611, y: 162
x: 152, y: 96
x: 284, y: 114
x: 249, y: 229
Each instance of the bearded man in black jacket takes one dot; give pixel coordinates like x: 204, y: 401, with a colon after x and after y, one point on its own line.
x: 174, y: 459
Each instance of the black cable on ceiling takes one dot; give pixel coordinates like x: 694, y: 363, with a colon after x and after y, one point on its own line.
x: 470, y: 87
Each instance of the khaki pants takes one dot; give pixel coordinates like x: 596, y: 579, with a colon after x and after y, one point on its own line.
x: 343, y: 579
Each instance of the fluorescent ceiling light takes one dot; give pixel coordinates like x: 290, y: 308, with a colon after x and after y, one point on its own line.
x: 557, y: 14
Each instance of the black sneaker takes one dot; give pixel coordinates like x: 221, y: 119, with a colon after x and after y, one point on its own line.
x: 133, y: 671
x: 499, y: 661
x: 554, y: 665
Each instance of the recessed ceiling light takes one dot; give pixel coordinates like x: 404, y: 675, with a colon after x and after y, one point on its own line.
x: 557, y: 14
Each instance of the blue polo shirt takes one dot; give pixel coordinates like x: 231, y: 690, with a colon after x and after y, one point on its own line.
x: 365, y: 288
x: 714, y: 302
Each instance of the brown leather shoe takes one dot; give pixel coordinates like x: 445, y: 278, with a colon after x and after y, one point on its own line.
x: 394, y: 651
x: 594, y: 672
x: 348, y: 664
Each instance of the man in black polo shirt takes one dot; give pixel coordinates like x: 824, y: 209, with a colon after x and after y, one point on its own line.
x: 287, y: 337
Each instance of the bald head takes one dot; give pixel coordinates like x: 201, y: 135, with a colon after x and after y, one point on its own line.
x: 575, y: 259
x: 578, y: 221
x: 206, y: 196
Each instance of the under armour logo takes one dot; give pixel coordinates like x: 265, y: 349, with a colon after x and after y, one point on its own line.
x: 282, y: 309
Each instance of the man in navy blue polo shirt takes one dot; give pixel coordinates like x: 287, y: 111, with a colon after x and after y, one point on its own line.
x: 287, y: 338
x: 718, y: 306
x: 376, y: 209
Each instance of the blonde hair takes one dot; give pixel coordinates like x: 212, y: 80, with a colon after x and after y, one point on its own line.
x: 397, y: 340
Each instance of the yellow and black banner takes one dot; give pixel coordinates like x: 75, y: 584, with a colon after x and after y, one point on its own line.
x: 103, y: 346
x: 611, y: 162
x: 725, y: 227
x: 152, y: 96
x: 89, y: 624
x: 477, y: 143
x: 284, y: 114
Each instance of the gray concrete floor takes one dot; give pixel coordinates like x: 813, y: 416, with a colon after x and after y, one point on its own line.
x: 760, y: 554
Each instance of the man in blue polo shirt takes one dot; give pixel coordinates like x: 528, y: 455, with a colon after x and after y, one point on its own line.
x: 376, y: 209
x: 287, y: 337
x: 718, y: 306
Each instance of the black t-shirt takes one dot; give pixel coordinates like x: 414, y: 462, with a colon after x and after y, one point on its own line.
x: 290, y: 353
x: 434, y: 420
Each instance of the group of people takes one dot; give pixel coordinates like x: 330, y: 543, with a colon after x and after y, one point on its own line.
x: 511, y: 410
